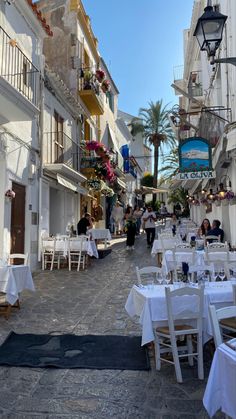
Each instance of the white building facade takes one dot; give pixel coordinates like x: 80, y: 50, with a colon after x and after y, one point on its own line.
x: 21, y: 39
x: 209, y: 101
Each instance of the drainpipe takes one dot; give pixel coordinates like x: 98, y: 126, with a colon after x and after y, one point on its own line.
x: 41, y: 131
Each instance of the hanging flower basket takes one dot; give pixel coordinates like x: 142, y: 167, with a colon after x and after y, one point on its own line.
x: 10, y: 194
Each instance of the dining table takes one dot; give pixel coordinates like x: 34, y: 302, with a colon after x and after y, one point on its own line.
x: 220, y: 392
x: 200, y: 259
x: 100, y: 234
x: 14, y: 279
x: 148, y: 304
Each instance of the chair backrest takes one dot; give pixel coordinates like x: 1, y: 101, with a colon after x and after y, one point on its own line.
x: 48, y: 244
x: 210, y: 238
x: 192, y: 309
x: 22, y: 256
x: 217, y: 246
x: 75, y: 244
x: 216, y: 315
x: 148, y: 272
x: 183, y: 246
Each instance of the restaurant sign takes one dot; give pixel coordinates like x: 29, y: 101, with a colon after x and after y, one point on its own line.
x: 195, y: 159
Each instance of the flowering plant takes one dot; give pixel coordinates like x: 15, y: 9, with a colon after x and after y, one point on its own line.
x: 100, y: 75
x: 10, y: 194
x: 229, y: 195
x: 105, y: 86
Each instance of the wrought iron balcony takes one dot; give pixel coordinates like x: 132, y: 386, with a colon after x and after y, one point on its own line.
x: 195, y: 84
x: 59, y: 148
x: 17, y: 69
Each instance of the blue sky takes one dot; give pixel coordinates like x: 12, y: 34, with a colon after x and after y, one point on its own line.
x: 141, y: 42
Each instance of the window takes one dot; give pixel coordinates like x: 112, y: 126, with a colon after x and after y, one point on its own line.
x: 110, y: 99
x: 59, y: 138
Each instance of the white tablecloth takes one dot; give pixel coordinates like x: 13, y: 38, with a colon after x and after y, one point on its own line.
x: 14, y: 279
x: 61, y: 245
x: 100, y: 234
x: 200, y: 258
x: 168, y: 243
x: 150, y: 306
x: 220, y: 392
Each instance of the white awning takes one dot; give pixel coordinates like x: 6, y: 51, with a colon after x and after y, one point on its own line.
x: 67, y: 183
x: 121, y: 183
x: 114, y: 141
x: 231, y: 137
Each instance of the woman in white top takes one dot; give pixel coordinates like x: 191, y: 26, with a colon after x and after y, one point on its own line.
x: 149, y: 218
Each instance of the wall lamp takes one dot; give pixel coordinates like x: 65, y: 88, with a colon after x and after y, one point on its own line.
x: 209, y: 33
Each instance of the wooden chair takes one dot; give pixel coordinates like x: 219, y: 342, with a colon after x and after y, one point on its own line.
x: 212, y: 239
x: 76, y: 253
x: 48, y: 252
x: 147, y: 273
x: 222, y: 319
x: 179, y: 250
x: 168, y: 337
x: 5, y: 307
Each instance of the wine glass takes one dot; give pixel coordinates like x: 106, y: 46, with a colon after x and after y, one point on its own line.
x: 216, y: 275
x: 167, y: 278
x: 159, y: 278
x: 222, y: 274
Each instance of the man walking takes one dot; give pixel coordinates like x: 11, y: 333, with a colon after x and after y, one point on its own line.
x: 149, y: 218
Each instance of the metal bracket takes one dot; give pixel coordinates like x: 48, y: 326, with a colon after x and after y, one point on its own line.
x: 230, y: 60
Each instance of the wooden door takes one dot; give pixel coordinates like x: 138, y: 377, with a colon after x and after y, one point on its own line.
x: 59, y: 138
x: 18, y: 219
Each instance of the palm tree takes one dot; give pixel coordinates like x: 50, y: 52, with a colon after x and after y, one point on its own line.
x: 170, y: 165
x: 154, y: 124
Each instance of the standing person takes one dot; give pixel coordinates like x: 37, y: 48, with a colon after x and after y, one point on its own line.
x: 138, y: 215
x: 130, y: 228
x: 149, y: 218
x: 117, y: 215
x: 84, y: 224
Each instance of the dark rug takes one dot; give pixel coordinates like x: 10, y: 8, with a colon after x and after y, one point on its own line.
x: 71, y: 351
x: 102, y: 253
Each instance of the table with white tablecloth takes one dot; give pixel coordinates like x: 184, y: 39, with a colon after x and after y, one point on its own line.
x: 220, y: 391
x: 150, y: 306
x: 14, y: 279
x: 62, y: 245
x: 200, y: 259
x: 169, y: 243
x: 100, y: 234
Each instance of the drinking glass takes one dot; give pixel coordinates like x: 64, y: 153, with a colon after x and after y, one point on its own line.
x: 167, y: 278
x: 150, y: 284
x: 216, y: 275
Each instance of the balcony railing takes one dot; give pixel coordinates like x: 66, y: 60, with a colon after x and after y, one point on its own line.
x: 92, y: 95
x: 195, y: 84
x: 61, y: 149
x: 17, y: 69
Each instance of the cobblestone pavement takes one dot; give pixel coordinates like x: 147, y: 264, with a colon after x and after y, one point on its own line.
x: 92, y: 302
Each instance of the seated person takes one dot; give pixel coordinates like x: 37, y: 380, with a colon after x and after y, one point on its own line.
x: 84, y: 224
x: 216, y: 230
x: 205, y: 228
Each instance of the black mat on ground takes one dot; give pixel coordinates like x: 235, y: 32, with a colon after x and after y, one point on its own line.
x: 102, y: 253
x: 71, y: 351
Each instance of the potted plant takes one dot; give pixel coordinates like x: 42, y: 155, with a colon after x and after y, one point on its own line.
x: 10, y: 194
x: 100, y: 75
x: 105, y: 86
x: 88, y: 76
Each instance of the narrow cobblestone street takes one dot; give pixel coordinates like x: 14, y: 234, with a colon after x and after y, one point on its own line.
x: 92, y: 302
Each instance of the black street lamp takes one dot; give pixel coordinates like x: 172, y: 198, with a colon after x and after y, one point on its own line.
x: 209, y: 33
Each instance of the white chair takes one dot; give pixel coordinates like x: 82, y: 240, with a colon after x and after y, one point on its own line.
x: 212, y: 239
x: 147, y: 273
x: 167, y: 338
x: 76, y: 253
x: 13, y: 256
x: 217, y: 255
x: 183, y: 253
x: 222, y: 319
x: 48, y: 253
